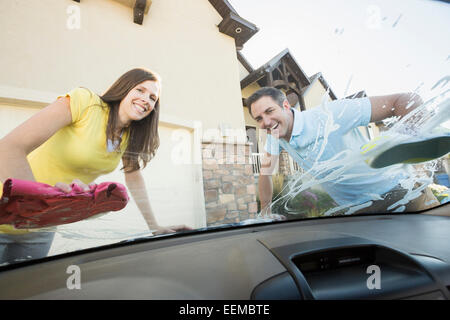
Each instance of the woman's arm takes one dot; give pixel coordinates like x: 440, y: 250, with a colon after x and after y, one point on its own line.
x: 15, y: 146
x: 136, y: 184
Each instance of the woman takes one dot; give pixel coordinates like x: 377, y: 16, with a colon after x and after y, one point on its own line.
x: 82, y: 136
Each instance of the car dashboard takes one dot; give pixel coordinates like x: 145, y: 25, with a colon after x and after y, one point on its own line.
x: 401, y: 256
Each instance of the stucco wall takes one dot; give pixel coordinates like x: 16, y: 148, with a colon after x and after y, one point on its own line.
x: 242, y: 71
x: 179, y: 39
x: 314, y: 95
x: 41, y: 57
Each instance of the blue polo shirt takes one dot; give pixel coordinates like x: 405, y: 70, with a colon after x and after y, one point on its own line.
x: 326, y: 143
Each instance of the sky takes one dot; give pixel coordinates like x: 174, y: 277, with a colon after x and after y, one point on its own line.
x: 379, y: 46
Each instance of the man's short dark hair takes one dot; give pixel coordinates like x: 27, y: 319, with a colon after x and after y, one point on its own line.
x: 276, y: 94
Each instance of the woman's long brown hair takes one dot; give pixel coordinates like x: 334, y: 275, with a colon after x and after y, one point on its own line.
x: 143, y: 140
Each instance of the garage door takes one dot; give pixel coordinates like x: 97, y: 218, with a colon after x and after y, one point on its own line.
x: 174, y: 186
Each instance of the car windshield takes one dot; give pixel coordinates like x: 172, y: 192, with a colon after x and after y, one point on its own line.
x: 120, y: 122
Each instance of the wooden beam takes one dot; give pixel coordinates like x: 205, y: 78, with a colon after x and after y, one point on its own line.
x: 302, y: 103
x: 138, y: 10
x: 269, y: 79
x: 132, y: 3
x: 292, y: 73
x: 276, y: 65
x: 280, y: 84
x: 284, y: 72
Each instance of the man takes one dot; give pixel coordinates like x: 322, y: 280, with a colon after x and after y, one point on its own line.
x: 326, y: 134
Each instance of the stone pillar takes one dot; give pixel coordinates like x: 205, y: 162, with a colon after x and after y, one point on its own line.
x: 228, y: 182
x: 284, y: 165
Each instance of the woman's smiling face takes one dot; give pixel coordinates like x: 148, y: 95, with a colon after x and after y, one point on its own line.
x: 139, y: 102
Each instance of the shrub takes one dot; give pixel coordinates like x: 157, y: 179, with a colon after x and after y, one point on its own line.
x: 309, y: 203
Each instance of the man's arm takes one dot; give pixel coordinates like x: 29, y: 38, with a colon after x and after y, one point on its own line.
x: 393, y: 105
x: 265, y: 187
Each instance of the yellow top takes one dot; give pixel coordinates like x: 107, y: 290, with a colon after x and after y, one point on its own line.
x: 77, y: 151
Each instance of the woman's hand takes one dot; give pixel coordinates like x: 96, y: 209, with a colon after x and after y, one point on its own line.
x: 136, y: 184
x: 64, y: 187
x: 170, y: 229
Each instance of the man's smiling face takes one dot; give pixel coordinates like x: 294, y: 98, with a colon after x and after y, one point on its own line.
x: 277, y: 120
x: 139, y: 102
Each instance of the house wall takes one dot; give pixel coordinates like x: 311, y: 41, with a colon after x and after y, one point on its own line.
x: 242, y: 71
x: 314, y: 95
x: 178, y: 39
x: 249, y: 121
x: 248, y: 91
x: 43, y: 56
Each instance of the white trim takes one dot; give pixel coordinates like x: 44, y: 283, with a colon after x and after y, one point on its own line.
x: 225, y: 141
x: 26, y: 97
x: 30, y: 98
x: 171, y: 120
x: 310, y: 86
